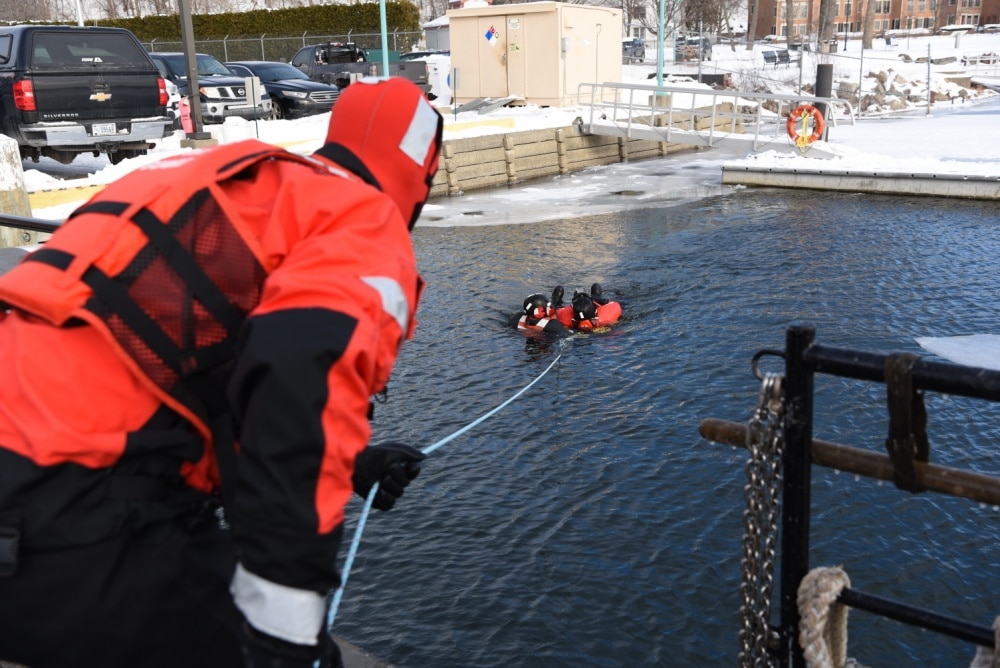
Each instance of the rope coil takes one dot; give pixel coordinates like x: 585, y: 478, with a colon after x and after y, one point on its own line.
x: 823, y: 621
x: 985, y: 656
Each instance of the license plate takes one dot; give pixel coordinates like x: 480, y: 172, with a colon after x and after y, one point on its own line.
x: 103, y: 129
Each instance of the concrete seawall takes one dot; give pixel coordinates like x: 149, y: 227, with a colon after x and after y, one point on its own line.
x: 508, y: 159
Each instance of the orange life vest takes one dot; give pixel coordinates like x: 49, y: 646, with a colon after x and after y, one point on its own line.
x: 607, y: 314
x: 157, y: 265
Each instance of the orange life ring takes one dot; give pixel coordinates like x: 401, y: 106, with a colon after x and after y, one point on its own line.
x: 799, y: 132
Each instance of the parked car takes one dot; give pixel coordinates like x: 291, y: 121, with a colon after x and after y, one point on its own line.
x: 293, y: 94
x: 222, y: 93
x: 67, y: 90
x: 340, y: 63
x: 633, y: 49
x: 692, y: 48
x: 438, y: 75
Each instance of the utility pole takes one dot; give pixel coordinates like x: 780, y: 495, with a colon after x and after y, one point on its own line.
x: 199, y: 137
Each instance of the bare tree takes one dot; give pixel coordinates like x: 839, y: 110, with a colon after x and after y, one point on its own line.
x: 431, y: 9
x: 869, y: 30
x: 25, y: 10
x: 705, y: 15
x: 673, y: 16
x: 827, y: 26
x: 752, y: 28
x: 633, y: 13
x: 789, y: 18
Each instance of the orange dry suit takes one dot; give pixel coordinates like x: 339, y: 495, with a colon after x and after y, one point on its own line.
x: 236, y: 293
x: 603, y: 315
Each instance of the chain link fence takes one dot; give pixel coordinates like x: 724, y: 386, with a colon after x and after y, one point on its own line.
x: 282, y: 48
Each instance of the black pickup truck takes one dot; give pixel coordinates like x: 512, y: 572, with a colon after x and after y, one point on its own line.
x: 67, y: 90
x: 340, y: 63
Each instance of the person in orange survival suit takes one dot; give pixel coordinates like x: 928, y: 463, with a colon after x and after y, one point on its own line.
x: 176, y: 344
x: 537, y: 315
x: 586, y: 311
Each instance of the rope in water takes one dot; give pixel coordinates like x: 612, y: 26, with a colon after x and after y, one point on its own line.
x: 362, y: 520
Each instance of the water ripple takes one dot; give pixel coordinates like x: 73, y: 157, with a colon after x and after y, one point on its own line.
x: 587, y: 523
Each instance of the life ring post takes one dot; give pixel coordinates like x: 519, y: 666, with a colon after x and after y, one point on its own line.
x: 824, y: 88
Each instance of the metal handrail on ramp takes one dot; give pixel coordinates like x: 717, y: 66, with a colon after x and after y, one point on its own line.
x: 702, y: 116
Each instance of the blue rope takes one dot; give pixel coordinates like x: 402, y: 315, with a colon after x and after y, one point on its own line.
x: 356, y: 541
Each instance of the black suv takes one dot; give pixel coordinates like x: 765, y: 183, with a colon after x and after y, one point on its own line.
x: 67, y: 90
x: 293, y: 94
x: 633, y: 48
x: 222, y: 93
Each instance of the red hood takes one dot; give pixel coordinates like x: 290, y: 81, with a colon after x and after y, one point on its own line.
x: 393, y: 130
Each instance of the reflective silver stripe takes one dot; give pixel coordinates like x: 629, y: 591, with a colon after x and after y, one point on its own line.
x: 393, y: 300
x: 293, y: 615
x: 421, y: 132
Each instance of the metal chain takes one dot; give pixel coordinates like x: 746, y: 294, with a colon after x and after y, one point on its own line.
x: 765, y: 441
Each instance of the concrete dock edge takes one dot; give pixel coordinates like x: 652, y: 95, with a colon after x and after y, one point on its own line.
x: 893, y: 183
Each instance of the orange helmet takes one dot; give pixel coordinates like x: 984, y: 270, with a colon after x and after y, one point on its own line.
x: 385, y: 131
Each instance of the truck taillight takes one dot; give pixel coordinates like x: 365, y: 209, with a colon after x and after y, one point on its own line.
x: 164, y: 98
x: 24, y: 95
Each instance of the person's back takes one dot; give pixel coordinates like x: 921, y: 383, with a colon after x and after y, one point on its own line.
x: 293, y: 283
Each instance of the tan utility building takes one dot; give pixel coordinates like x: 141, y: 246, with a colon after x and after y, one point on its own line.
x: 539, y: 52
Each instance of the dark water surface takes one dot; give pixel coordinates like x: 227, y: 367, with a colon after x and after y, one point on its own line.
x: 588, y: 524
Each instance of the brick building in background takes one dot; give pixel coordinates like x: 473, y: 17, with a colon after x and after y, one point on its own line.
x: 889, y: 15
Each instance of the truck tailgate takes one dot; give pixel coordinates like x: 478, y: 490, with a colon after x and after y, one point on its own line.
x: 105, y: 95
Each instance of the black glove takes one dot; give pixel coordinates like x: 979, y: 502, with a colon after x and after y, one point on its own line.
x: 263, y: 651
x: 557, y: 296
x: 392, y: 466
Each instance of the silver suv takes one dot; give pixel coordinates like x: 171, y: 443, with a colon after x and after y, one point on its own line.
x: 693, y: 48
x: 222, y: 93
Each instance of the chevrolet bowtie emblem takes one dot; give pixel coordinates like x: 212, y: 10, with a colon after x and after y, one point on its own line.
x: 101, y: 97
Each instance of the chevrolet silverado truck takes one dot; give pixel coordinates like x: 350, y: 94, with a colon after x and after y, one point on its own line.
x: 67, y: 90
x: 340, y: 63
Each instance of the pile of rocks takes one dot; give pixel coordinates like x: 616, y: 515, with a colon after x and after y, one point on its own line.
x: 891, y: 91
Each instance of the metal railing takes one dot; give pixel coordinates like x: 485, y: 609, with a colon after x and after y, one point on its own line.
x: 907, y: 377
x: 701, y: 116
x: 282, y: 48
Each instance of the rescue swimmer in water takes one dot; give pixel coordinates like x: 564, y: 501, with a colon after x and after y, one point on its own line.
x: 586, y: 312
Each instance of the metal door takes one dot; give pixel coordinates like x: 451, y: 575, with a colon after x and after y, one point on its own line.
x: 516, y: 56
x: 492, y: 56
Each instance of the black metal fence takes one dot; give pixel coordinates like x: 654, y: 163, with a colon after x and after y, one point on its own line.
x: 282, y: 48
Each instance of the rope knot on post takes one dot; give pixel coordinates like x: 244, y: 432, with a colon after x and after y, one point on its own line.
x: 823, y: 621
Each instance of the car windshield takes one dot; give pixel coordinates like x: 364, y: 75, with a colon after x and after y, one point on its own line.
x: 207, y: 66
x: 276, y: 71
